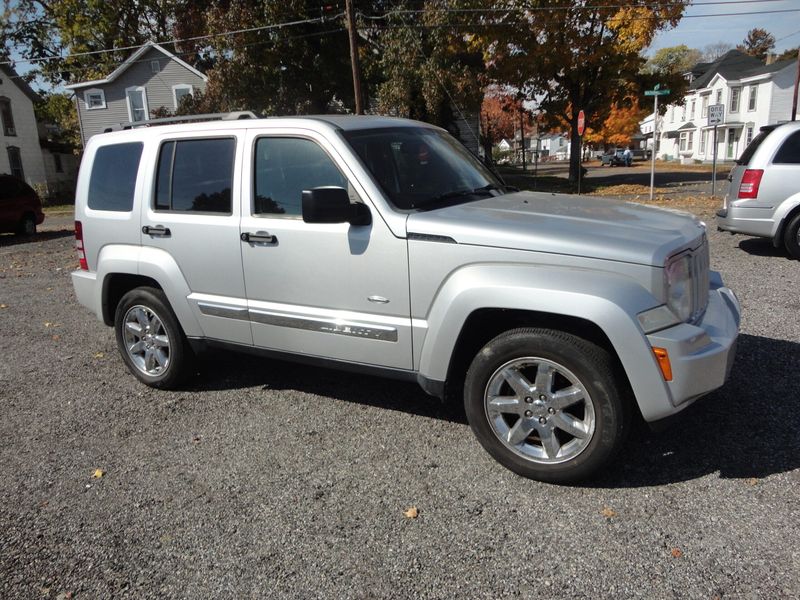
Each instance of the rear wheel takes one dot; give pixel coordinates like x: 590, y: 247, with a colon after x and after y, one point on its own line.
x: 546, y: 404
x: 791, y: 237
x: 27, y: 225
x: 151, y: 340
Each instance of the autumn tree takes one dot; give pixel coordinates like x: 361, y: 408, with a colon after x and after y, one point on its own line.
x: 621, y: 124
x: 673, y: 59
x: 758, y: 42
x: 790, y: 54
x: 581, y: 54
x: 58, y: 110
x: 502, y: 115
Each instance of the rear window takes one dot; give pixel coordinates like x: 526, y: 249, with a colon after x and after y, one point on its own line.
x: 789, y: 152
x: 744, y: 159
x: 113, y: 178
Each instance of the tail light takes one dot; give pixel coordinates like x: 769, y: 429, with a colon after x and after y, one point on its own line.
x: 79, y: 246
x: 750, y: 182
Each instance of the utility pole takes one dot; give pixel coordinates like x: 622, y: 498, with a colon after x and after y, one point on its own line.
x: 351, y: 31
x: 522, y: 133
x: 796, y: 84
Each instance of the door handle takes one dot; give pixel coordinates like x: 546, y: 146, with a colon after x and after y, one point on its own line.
x: 259, y: 237
x: 156, y: 230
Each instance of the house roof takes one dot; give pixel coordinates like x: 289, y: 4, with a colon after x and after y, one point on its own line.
x: 731, y: 65
x: 132, y: 60
x: 12, y: 75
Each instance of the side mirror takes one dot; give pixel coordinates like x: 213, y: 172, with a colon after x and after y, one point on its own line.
x: 331, y: 204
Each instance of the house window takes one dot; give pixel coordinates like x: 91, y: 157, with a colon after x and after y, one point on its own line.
x: 155, y: 66
x: 683, y: 113
x: 7, y: 117
x: 718, y: 97
x: 57, y: 162
x: 704, y: 106
x: 748, y: 136
x: 180, y: 91
x: 15, y: 162
x: 703, y: 135
x: 735, y: 93
x: 751, y: 99
x: 694, y: 106
x: 686, y: 141
x: 94, y: 99
x: 137, y: 104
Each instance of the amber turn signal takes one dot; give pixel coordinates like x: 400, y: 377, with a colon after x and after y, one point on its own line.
x: 662, y: 356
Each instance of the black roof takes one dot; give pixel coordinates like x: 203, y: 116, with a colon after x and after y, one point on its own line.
x: 732, y: 65
x: 11, y: 74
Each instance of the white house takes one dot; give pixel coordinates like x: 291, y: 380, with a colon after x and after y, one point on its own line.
x: 555, y: 146
x: 753, y: 94
x: 20, y: 154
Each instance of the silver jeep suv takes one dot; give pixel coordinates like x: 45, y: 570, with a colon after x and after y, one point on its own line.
x: 764, y: 196
x: 383, y: 246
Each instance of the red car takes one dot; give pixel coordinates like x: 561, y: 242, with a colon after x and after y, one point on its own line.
x: 20, y: 207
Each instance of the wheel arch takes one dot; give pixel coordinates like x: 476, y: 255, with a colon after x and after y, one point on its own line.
x: 785, y: 213
x: 115, y: 286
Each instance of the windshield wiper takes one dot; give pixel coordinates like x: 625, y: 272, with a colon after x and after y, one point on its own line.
x: 486, y: 189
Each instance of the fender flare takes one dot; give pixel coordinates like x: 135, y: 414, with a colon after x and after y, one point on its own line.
x: 784, y: 209
x: 608, y: 300
x: 156, y: 265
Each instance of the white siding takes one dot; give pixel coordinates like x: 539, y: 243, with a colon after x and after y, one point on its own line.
x: 27, y: 134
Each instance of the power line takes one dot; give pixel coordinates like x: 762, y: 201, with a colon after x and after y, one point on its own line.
x: 177, y: 41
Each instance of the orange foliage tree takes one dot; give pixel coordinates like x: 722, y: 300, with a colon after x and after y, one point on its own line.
x: 501, y: 114
x: 621, y: 124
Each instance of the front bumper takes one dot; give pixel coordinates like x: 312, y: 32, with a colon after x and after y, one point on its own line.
x: 701, y: 355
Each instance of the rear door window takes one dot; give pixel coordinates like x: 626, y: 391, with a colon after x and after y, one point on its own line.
x: 113, y: 178
x: 196, y: 176
x: 789, y: 152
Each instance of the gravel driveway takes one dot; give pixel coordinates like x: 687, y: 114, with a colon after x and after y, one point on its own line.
x: 270, y: 480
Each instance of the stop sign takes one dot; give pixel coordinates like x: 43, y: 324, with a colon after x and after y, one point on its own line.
x: 581, y: 122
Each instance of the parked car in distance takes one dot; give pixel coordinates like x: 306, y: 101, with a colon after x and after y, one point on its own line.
x: 20, y: 207
x: 384, y: 246
x: 613, y: 159
x: 764, y: 195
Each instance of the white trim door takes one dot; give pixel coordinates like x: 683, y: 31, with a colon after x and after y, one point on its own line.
x: 136, y: 99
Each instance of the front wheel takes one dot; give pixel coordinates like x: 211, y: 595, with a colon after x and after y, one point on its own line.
x: 151, y: 340
x: 27, y: 225
x: 546, y: 404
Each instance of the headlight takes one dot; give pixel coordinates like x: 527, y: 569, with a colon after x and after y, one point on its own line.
x: 678, y: 285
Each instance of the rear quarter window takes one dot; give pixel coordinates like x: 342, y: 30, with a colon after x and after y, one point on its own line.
x: 113, y: 178
x: 789, y: 152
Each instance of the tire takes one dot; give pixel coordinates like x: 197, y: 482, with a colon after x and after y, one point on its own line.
x: 150, y: 339
x: 791, y: 237
x: 562, y: 432
x: 27, y: 225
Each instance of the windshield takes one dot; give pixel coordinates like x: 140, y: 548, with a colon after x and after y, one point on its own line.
x: 422, y: 168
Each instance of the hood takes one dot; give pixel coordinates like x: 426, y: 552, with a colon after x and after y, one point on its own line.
x: 563, y: 224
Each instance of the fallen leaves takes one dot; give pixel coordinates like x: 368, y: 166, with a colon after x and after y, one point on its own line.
x: 608, y: 512
x: 752, y: 481
x: 3, y: 305
x: 56, y: 337
x: 98, y: 355
x: 412, y: 512
x: 676, y: 552
x: 98, y: 474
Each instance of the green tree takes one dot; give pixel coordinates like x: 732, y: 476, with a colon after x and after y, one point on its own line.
x: 44, y: 31
x: 758, y: 42
x: 790, y: 54
x: 581, y: 54
x: 58, y: 111
x: 673, y: 59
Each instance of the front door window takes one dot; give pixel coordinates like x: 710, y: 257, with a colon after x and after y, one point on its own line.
x: 733, y: 140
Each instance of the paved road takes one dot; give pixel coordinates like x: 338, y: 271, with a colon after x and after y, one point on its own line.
x: 269, y: 480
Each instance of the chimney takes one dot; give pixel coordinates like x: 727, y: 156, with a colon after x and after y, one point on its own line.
x: 771, y: 58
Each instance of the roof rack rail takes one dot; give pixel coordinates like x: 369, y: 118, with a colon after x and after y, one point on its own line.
x: 229, y: 116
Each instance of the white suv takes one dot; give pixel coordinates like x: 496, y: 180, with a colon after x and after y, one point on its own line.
x: 383, y: 246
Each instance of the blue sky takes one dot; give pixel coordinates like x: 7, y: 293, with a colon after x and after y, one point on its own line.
x: 697, y: 30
